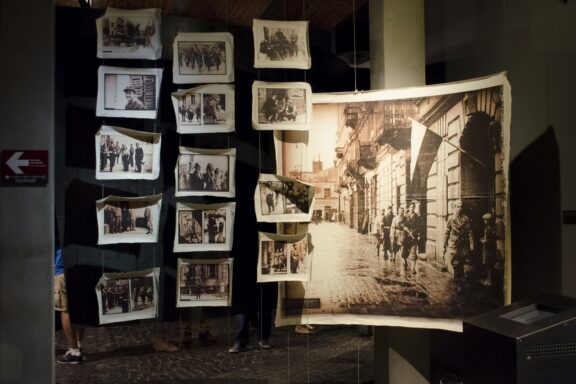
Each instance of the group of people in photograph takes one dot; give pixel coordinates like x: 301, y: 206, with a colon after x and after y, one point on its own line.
x: 120, y: 218
x: 279, y: 43
x: 142, y: 297
x: 401, y: 234
x: 112, y: 153
x: 193, y: 179
x: 213, y: 111
x: 121, y: 32
x: 115, y: 296
x: 201, y: 57
x: 279, y: 108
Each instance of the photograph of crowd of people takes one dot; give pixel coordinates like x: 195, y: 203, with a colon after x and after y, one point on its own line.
x: 283, y: 257
x: 129, y: 34
x: 284, y: 198
x: 203, y: 58
x: 281, y: 44
x: 123, y: 154
x: 203, y: 282
x: 127, y: 296
x: 278, y: 106
x: 204, y: 227
x: 203, y: 173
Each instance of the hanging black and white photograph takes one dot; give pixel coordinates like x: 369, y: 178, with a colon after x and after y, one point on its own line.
x: 123, y: 153
x: 128, y: 92
x: 204, y: 227
x: 129, y: 34
x: 281, y: 106
x: 281, y: 44
x: 128, y: 219
x: 203, y: 58
x: 128, y: 296
x: 284, y: 257
x: 410, y: 213
x: 204, y: 283
x: 283, y: 199
x: 205, y: 109
x: 205, y: 172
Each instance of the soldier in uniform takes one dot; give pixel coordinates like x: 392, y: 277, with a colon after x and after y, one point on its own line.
x: 458, y: 241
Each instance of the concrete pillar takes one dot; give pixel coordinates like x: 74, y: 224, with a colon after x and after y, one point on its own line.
x: 397, y: 59
x: 27, y: 213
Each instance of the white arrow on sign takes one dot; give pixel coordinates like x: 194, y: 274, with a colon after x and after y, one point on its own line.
x: 14, y: 162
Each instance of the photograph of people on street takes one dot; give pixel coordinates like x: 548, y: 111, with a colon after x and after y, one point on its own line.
x: 205, y: 172
x: 281, y: 106
x: 129, y: 34
x: 128, y: 92
x: 272, y: 198
x: 281, y: 44
x: 127, y: 296
x: 204, y: 227
x: 203, y: 58
x: 128, y: 220
x: 123, y: 153
x: 283, y: 257
x: 280, y: 199
x: 204, y: 109
x: 410, y: 203
x: 203, y: 282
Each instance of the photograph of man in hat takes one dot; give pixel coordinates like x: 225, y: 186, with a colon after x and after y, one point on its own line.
x: 133, y: 102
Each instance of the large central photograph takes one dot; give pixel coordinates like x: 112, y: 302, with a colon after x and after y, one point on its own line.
x: 410, y: 216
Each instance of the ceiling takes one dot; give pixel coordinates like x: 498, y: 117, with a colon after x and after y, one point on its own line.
x: 322, y: 14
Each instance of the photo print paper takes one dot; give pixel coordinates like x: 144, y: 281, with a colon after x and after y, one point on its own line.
x: 128, y: 219
x: 123, y: 153
x: 129, y: 34
x: 281, y: 106
x: 203, y: 58
x: 204, y: 109
x: 283, y: 199
x: 204, y: 283
x: 281, y: 44
x: 410, y: 216
x: 284, y: 257
x: 205, y: 172
x: 204, y: 227
x: 128, y: 296
x: 128, y: 92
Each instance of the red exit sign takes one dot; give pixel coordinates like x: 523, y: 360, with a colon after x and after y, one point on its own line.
x: 24, y: 168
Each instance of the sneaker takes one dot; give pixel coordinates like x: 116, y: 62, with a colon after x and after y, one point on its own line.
x: 69, y: 358
x: 236, y: 348
x: 264, y: 344
x: 304, y: 329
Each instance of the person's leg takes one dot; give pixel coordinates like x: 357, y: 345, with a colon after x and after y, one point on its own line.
x: 73, y: 355
x: 241, y: 327
x: 69, y: 332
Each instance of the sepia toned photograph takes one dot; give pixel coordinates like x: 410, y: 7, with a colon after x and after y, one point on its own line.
x: 284, y: 257
x: 123, y: 153
x: 129, y: 34
x: 203, y: 58
x: 205, y: 109
x: 128, y: 296
x: 282, y: 199
x: 204, y: 227
x: 128, y: 92
x: 128, y: 219
x: 204, y: 283
x: 205, y: 172
x: 281, y: 106
x: 281, y: 44
x: 410, y: 205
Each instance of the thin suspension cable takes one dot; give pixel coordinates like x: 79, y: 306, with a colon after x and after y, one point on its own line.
x: 354, y: 42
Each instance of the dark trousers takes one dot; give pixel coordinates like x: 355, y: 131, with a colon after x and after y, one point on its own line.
x: 242, y: 327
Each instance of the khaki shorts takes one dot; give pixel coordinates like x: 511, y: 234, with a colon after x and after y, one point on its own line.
x: 60, y: 295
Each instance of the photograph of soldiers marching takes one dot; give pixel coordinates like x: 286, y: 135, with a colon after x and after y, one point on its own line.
x: 127, y: 295
x: 202, y: 57
x: 409, y: 212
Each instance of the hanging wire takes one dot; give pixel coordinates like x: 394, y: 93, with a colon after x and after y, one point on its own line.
x: 304, y: 18
x: 226, y: 14
x: 358, y: 365
x: 354, y: 42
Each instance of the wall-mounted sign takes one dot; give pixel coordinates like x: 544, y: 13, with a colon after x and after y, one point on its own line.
x: 24, y: 168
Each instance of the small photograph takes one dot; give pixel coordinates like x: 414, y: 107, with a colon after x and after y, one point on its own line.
x: 128, y: 219
x: 123, y: 153
x: 282, y: 199
x: 204, y: 283
x: 204, y: 227
x: 205, y: 172
x: 128, y: 296
x: 284, y: 257
x: 281, y: 44
x: 281, y: 106
x: 203, y: 58
x: 128, y: 92
x: 204, y: 109
x: 129, y: 34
